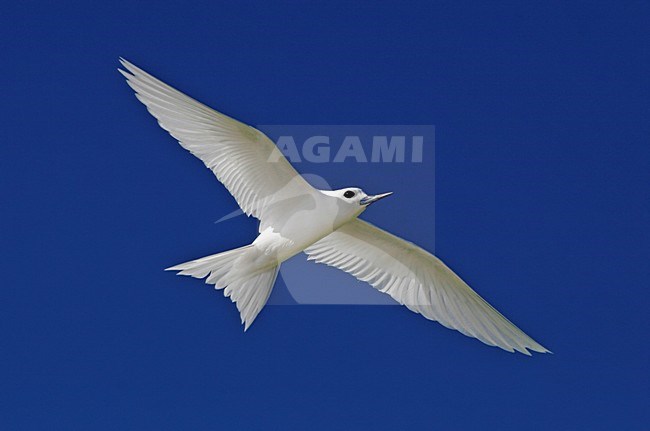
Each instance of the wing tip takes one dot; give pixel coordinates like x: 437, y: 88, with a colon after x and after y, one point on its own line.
x: 131, y: 68
x: 129, y: 72
x: 538, y: 348
x: 124, y: 62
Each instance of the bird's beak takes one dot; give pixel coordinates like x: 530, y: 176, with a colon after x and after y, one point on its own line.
x: 370, y: 199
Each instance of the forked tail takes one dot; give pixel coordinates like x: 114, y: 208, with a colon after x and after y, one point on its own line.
x: 249, y: 289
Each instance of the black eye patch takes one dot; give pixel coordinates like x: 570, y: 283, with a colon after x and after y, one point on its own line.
x: 348, y: 194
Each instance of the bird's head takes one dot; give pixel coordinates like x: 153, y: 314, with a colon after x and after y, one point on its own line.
x: 355, y: 200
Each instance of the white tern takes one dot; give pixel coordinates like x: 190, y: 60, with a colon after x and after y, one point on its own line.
x: 296, y: 217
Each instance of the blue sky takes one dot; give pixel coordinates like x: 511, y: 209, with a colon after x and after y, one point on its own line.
x: 541, y: 203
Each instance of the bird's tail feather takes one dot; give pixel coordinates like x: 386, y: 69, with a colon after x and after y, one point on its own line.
x: 248, y: 289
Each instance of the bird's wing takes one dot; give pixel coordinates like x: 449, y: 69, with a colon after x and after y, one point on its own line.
x: 419, y: 280
x: 245, y: 160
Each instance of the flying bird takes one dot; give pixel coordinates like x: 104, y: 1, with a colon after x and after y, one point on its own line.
x: 296, y: 217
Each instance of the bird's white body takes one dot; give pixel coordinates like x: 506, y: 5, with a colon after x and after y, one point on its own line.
x: 274, y: 245
x: 304, y: 227
x: 301, y: 226
x: 295, y: 217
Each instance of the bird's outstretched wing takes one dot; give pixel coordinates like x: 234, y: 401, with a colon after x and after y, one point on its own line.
x: 419, y: 280
x: 245, y: 160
